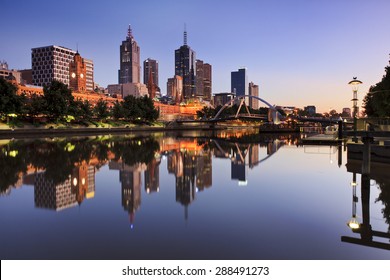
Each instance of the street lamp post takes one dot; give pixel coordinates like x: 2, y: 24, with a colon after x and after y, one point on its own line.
x: 355, y: 86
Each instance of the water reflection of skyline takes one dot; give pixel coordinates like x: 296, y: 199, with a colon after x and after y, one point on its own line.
x: 189, y: 160
x: 137, y: 160
x: 135, y: 164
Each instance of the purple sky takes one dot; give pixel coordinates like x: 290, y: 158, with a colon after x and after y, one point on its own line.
x: 300, y: 53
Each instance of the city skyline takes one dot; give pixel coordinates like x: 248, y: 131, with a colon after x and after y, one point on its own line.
x: 300, y: 53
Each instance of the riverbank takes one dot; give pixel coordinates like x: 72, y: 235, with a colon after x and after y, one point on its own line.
x: 29, y: 132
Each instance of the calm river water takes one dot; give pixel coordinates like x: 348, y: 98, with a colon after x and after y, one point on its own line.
x: 232, y: 195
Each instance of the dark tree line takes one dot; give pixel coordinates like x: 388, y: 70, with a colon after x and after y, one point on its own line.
x: 377, y: 101
x: 58, y: 104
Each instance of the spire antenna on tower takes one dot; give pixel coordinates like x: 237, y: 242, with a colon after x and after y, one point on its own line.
x: 129, y: 32
x: 185, y: 35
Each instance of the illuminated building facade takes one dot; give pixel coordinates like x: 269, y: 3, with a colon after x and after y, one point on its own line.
x: 130, y: 68
x: 185, y: 67
x: 175, y: 88
x: 253, y: 91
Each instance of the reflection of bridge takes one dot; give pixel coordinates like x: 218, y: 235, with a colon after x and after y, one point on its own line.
x: 242, y: 152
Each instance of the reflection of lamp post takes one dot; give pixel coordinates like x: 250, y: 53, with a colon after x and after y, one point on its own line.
x: 355, y: 86
x: 353, y: 223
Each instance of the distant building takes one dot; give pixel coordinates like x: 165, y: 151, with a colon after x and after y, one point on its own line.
x: 134, y: 89
x: 151, y: 77
x: 10, y: 74
x: 185, y: 67
x: 207, y: 81
x: 3, y: 65
x: 89, y: 82
x: 346, y: 112
x: 114, y: 90
x: 199, y: 78
x: 130, y: 68
x: 26, y: 76
x: 203, y: 80
x: 253, y: 91
x: 123, y: 90
x: 175, y: 88
x: 222, y: 98
x: 151, y: 68
x: 310, y: 110
x: 21, y: 76
x: 239, y: 82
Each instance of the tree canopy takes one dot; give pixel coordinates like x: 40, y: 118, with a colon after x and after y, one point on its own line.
x: 377, y: 101
x: 10, y: 102
x: 58, y: 104
x: 59, y: 100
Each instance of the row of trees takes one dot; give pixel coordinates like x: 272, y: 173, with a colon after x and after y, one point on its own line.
x: 57, y: 103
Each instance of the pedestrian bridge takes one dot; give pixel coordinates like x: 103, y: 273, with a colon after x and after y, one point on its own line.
x: 273, y: 115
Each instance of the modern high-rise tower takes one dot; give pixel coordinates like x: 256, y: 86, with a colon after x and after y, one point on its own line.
x: 185, y: 67
x: 253, y: 91
x: 151, y: 65
x: 151, y: 76
x: 207, y: 82
x: 239, y: 82
x: 130, y: 68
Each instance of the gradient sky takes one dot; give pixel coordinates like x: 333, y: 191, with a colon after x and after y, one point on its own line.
x: 299, y: 52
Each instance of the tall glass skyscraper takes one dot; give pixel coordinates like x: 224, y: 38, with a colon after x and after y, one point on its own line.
x: 151, y: 68
x: 239, y: 82
x: 185, y: 67
x: 130, y: 68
